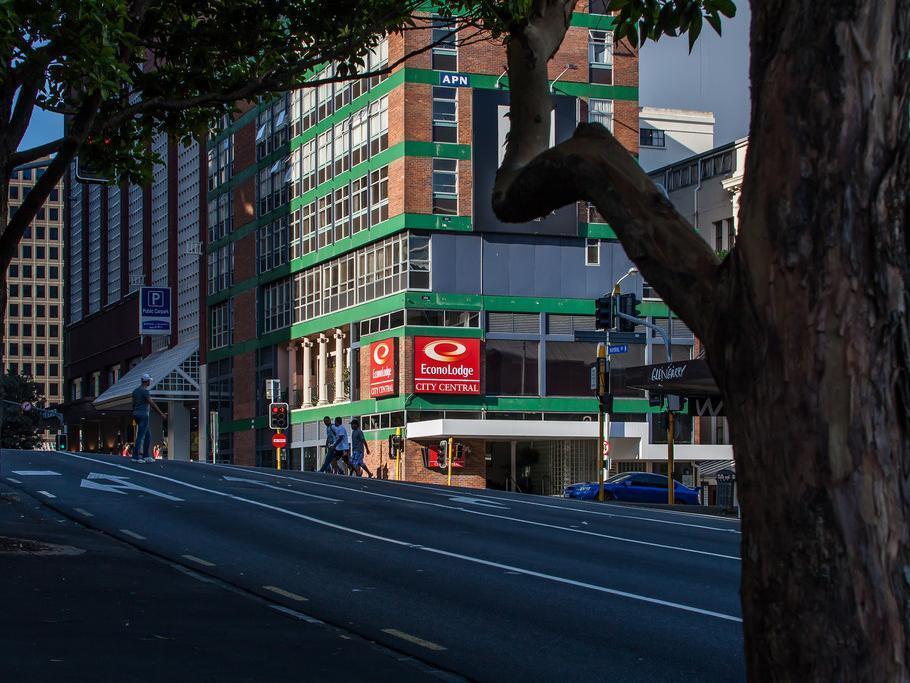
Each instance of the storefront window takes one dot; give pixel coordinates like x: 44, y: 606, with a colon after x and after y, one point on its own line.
x: 511, y: 367
x: 569, y: 368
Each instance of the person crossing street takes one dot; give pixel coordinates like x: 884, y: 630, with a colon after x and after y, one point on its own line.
x: 142, y: 403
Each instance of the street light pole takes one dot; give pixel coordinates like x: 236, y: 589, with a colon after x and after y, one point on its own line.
x: 603, y: 418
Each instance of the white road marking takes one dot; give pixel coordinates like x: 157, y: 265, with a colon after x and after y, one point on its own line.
x: 413, y: 639
x: 518, y: 520
x: 283, y: 489
x: 284, y: 593
x: 119, y: 484
x: 45, y: 493
x: 133, y: 534
x: 199, y: 560
x: 36, y: 473
x: 470, y: 500
x: 84, y: 513
x: 406, y: 544
x: 295, y: 614
x: 15, y: 481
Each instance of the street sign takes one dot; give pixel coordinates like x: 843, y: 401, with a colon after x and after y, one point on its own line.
x: 619, y: 348
x: 593, y: 378
x: 155, y: 311
x: 280, y: 440
x: 273, y: 389
x: 606, y: 450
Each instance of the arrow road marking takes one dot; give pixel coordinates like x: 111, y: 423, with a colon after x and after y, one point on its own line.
x: 36, y: 473
x: 477, y: 501
x: 281, y: 488
x: 119, y: 484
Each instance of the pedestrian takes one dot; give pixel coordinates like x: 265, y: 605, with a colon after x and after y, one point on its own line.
x: 329, y: 465
x: 358, y: 446
x: 342, y: 445
x: 142, y: 401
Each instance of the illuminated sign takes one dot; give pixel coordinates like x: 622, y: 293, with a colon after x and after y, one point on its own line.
x: 446, y: 366
x: 383, y: 378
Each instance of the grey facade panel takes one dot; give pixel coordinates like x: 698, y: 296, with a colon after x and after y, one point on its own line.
x: 455, y: 262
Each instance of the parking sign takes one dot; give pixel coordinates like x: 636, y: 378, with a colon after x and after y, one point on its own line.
x: 155, y: 310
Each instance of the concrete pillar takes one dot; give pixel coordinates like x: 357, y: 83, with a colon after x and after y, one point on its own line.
x: 513, y: 446
x: 178, y: 431
x: 322, y: 369
x: 307, y: 372
x: 339, y: 366
x: 292, y: 375
x: 203, y: 419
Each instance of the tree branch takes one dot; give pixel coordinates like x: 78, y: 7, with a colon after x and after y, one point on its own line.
x: 593, y: 166
x: 32, y: 79
x: 26, y: 155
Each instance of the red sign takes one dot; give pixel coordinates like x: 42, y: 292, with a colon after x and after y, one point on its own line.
x: 280, y: 440
x: 382, y: 368
x: 446, y: 366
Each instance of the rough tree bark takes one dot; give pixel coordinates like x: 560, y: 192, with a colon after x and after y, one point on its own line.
x: 806, y: 323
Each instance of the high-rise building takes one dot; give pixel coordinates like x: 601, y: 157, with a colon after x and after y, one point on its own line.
x: 33, y: 343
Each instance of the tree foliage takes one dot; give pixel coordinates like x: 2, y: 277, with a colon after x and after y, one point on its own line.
x: 19, y: 428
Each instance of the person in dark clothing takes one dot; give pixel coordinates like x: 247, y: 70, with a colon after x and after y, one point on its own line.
x: 142, y: 402
x: 330, y: 456
x: 358, y: 446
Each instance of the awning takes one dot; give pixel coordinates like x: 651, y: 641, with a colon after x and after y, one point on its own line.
x: 709, y: 468
x: 503, y: 430
x: 691, y: 379
x: 175, y: 377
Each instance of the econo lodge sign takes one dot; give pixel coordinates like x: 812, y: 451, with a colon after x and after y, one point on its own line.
x: 446, y: 366
x: 382, y: 368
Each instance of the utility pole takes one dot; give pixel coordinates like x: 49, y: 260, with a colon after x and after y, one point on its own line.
x: 671, y: 487
x: 603, y: 417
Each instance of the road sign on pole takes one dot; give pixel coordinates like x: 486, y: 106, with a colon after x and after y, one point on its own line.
x: 619, y: 348
x: 155, y: 311
x: 280, y: 440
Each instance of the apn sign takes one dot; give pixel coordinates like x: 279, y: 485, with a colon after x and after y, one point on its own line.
x: 155, y: 310
x: 446, y: 366
x: 454, y: 80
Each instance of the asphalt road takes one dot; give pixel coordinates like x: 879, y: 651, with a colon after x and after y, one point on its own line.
x: 485, y: 584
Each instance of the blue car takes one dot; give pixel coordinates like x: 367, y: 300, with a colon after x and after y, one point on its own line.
x: 634, y: 487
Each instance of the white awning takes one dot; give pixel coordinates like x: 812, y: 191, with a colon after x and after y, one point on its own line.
x: 504, y: 430
x: 175, y: 377
x: 710, y: 468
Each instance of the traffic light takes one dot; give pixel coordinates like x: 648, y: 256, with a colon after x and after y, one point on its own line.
x: 278, y: 416
x: 603, y: 313
x: 394, y: 446
x: 61, y: 442
x: 628, y: 303
x: 442, y: 458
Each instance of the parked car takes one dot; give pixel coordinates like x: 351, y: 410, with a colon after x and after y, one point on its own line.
x: 634, y: 487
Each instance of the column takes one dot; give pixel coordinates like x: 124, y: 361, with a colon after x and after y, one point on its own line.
x: 322, y: 367
x: 178, y: 431
x: 203, y: 410
x: 339, y: 366
x: 307, y: 372
x: 292, y: 375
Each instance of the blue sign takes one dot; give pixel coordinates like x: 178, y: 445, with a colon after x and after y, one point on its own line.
x: 454, y: 80
x: 619, y: 348
x: 155, y: 310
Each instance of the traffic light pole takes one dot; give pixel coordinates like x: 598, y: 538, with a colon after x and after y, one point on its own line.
x: 603, y: 417
x: 278, y: 453
x: 450, y: 454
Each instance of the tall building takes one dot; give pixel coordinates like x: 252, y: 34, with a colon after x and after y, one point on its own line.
x: 352, y: 254
x: 121, y: 239
x: 669, y: 135
x: 33, y: 343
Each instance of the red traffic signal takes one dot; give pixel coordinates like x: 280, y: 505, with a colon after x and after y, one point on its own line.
x: 278, y: 416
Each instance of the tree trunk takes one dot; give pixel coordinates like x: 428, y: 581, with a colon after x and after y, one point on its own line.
x: 813, y: 352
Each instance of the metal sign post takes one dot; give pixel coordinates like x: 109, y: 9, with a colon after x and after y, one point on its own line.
x: 450, y: 455
x: 603, y: 424
x: 213, y: 434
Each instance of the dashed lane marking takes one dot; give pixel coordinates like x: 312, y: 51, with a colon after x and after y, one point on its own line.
x: 36, y: 473
x: 14, y: 480
x: 84, y: 513
x: 199, y: 560
x: 284, y: 593
x: 413, y: 639
x: 47, y: 493
x: 423, y: 548
x: 295, y: 614
x: 133, y: 534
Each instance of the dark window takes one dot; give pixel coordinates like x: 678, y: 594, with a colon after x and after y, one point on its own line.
x: 13, y: 349
x: 26, y: 349
x: 27, y: 291
x: 14, y: 192
x: 26, y: 271
x: 53, y: 214
x: 651, y: 137
x: 54, y: 233
x: 14, y: 329
x: 13, y: 270
x: 445, y: 186
x: 54, y: 310
x: 54, y: 272
x: 39, y: 349
x: 39, y: 310
x: 569, y: 368
x: 55, y: 195
x: 14, y: 290
x: 26, y: 310
x: 598, y: 6
x: 14, y: 310
x: 39, y: 329
x: 53, y: 350
x: 39, y: 232
x: 39, y: 253
x: 39, y: 271
x: 41, y: 214
x: 445, y: 114
x: 39, y: 369
x: 26, y: 251
x: 511, y: 367
x: 40, y: 291
x: 52, y: 331
x: 26, y: 329
x: 445, y: 51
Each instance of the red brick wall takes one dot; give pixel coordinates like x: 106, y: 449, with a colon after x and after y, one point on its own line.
x: 473, y: 474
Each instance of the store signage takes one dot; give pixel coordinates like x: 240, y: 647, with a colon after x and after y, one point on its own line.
x: 155, y: 311
x: 446, y: 366
x: 454, y: 80
x: 383, y: 378
x: 667, y: 372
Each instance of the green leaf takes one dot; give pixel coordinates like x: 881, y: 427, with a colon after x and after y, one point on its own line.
x: 694, y: 30
x: 714, y: 19
x: 725, y: 7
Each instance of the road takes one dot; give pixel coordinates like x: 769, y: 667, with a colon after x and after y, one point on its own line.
x: 484, y: 584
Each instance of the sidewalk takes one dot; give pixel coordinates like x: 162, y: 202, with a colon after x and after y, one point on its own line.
x: 76, y: 605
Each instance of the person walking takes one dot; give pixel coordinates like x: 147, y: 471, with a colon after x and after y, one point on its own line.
x: 329, y: 465
x: 342, y: 445
x: 142, y: 402
x: 358, y: 446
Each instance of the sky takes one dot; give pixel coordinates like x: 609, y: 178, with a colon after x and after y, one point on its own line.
x: 44, y: 127
x: 715, y: 77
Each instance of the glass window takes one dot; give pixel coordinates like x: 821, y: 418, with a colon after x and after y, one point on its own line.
x: 418, y: 262
x: 55, y: 195
x: 445, y: 186
x: 569, y: 368
x: 14, y: 192
x: 601, y: 111
x: 379, y: 195
x: 221, y: 324
x: 592, y: 252
x: 273, y: 244
x: 277, y: 304
x: 511, y: 367
x: 651, y: 137
x: 600, y: 57
x: 445, y: 50
x: 379, y: 125
x: 445, y: 114
x: 53, y: 214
